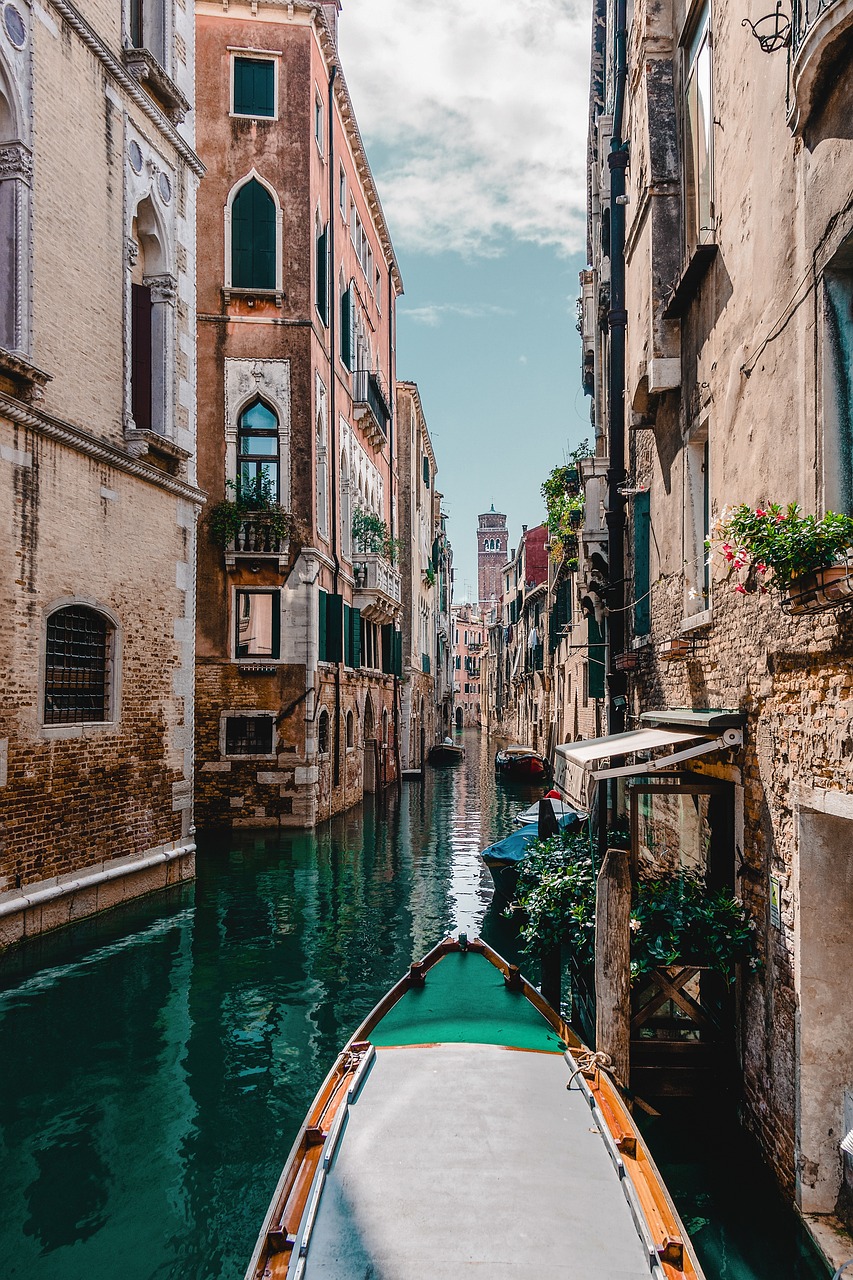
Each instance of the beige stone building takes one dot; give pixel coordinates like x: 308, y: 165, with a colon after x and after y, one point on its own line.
x: 98, y: 180
x: 738, y: 246
x: 427, y: 692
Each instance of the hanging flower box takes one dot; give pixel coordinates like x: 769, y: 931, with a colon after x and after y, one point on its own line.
x: 678, y: 649
x: 821, y: 590
x: 809, y: 560
x: 627, y: 661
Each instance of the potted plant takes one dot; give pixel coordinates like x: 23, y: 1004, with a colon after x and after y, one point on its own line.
x: 371, y: 537
x: 251, y: 516
x: 809, y: 560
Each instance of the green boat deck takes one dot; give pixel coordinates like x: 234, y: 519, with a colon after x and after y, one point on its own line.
x: 464, y: 1000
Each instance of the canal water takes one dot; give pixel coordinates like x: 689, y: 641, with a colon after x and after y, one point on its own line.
x: 155, y: 1064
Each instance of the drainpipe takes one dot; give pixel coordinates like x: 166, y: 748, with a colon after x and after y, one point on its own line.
x: 391, y: 389
x: 333, y: 415
x: 617, y: 321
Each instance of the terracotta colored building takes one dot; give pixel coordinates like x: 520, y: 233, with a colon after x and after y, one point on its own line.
x: 492, y: 546
x: 469, y: 637
x: 299, y: 647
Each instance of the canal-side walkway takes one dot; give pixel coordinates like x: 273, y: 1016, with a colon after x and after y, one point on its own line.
x: 156, y: 1063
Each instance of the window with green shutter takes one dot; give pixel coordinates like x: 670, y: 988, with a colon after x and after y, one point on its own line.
x: 346, y: 327
x: 322, y: 298
x: 321, y: 643
x: 253, y: 238
x: 254, y: 87
x: 596, y: 649
x: 347, y: 636
x: 334, y: 628
x: 642, y: 599
x: 355, y: 638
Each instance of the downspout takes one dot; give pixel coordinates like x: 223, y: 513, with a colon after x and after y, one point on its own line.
x: 617, y: 323
x: 333, y: 424
x: 392, y: 383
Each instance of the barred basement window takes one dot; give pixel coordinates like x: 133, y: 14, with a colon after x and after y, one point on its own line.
x: 248, y: 735
x: 77, y: 666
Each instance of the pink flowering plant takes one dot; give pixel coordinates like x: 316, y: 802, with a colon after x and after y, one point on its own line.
x: 757, y: 544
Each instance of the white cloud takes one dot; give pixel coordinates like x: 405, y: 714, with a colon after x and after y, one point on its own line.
x: 481, y: 112
x: 435, y: 312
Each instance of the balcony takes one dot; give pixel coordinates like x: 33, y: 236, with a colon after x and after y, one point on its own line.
x: 370, y: 405
x: 377, y: 591
x: 257, y: 538
x: 821, y: 33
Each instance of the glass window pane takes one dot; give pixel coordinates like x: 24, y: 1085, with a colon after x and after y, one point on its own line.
x: 255, y: 624
x: 258, y: 445
x: 258, y: 418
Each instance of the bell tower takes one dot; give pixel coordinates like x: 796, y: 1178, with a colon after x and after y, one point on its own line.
x: 492, y: 543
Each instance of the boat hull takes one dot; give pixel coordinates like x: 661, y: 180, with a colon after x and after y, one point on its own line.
x: 443, y: 754
x: 527, y: 768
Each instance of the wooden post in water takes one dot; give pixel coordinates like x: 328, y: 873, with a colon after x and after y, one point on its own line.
x: 613, y: 961
x: 551, y: 966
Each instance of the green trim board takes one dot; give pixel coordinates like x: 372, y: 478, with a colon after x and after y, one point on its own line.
x: 464, y: 1000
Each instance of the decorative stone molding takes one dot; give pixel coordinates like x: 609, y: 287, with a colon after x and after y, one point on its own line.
x: 132, y: 249
x: 16, y: 161
x: 95, y: 45
x: 164, y: 288
x: 146, y: 70
x: 73, y: 438
x: 269, y: 379
x: 26, y: 381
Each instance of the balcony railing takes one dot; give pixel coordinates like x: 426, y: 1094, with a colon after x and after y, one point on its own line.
x: 378, y: 587
x: 804, y: 15
x: 371, y: 404
x: 821, y: 40
x: 257, y: 539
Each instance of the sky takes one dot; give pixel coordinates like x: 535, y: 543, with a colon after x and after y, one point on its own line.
x: 474, y: 114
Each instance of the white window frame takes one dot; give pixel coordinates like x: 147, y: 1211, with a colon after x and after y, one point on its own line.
x: 256, y: 55
x: 697, y: 458
x: 319, y: 122
x: 279, y: 226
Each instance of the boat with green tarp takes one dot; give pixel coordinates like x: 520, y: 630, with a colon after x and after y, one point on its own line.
x: 465, y: 1129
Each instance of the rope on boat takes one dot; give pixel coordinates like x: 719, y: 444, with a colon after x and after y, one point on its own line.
x: 590, y: 1059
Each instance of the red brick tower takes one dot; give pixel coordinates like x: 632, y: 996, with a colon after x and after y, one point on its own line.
x: 492, y: 541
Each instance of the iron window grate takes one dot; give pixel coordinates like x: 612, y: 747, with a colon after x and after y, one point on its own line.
x: 76, y: 667
x: 248, y: 735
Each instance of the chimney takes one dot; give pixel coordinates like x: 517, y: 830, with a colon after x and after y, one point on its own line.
x: 331, y: 8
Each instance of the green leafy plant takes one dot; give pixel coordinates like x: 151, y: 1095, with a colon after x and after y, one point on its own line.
x: 429, y: 574
x: 564, y: 504
x: 226, y: 518
x: 675, y: 919
x: 754, y: 542
x: 370, y: 535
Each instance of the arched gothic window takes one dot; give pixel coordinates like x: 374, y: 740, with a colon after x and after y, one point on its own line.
x: 254, y: 233
x: 322, y: 471
x: 350, y: 730
x: 323, y: 733
x: 257, y: 453
x: 152, y: 302
x: 15, y: 184
x: 346, y: 508
x: 78, y: 666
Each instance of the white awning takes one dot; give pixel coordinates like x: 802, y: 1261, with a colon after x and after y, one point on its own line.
x: 577, y: 765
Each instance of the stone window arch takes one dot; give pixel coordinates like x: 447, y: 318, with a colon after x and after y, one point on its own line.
x: 322, y: 463
x: 253, y: 236
x: 153, y: 291
x: 346, y: 507
x: 350, y: 731
x: 266, y: 383
x: 16, y: 170
x: 258, y: 452
x: 80, y: 665
x: 323, y: 733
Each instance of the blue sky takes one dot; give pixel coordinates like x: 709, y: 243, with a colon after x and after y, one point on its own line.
x: 474, y: 117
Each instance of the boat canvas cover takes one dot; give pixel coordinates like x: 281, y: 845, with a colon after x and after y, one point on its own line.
x: 465, y: 1153
x: 576, y: 764
x: 513, y: 847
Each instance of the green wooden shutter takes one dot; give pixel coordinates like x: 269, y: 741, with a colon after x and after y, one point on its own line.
x: 276, y: 624
x: 346, y: 327
x: 388, y: 648
x: 596, y: 650
x: 398, y: 653
x: 355, y: 621
x: 254, y: 87
x: 642, y: 525
x: 334, y: 628
x: 253, y: 236
x: 321, y: 644
x: 323, y: 274
x: 347, y: 636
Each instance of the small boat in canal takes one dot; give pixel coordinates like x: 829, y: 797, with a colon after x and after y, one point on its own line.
x: 446, y: 752
x: 530, y: 817
x: 503, y: 857
x: 463, y: 1130
x: 520, y: 764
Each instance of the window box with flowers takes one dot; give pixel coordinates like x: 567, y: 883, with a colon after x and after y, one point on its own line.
x: 808, y: 560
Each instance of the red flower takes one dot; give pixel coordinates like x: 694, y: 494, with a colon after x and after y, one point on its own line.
x: 761, y: 568
x: 759, y: 511
x: 741, y: 588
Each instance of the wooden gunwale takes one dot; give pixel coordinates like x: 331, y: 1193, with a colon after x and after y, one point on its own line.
x: 271, y: 1258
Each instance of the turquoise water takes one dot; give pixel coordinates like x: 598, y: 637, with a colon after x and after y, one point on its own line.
x: 155, y: 1064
